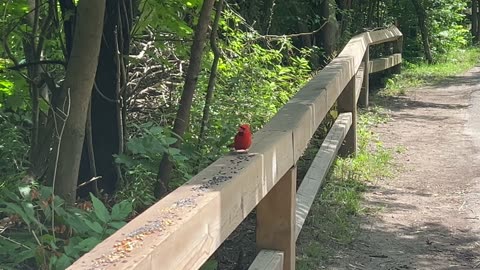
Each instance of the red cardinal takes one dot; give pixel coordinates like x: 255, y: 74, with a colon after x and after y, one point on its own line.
x: 243, y: 139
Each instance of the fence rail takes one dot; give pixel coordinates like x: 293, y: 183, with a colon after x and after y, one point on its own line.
x: 185, y: 228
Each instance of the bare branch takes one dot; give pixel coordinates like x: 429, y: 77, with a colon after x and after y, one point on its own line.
x: 41, y: 62
x: 272, y: 37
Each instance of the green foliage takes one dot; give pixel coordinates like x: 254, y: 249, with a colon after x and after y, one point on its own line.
x: 210, y: 265
x: 14, y: 85
x: 140, y: 163
x: 13, y: 88
x: 253, y: 83
x: 43, y: 232
x: 418, y: 74
x: 168, y: 16
x: 13, y: 149
x: 446, y: 25
x: 372, y: 159
x: 446, y: 22
x: 11, y: 21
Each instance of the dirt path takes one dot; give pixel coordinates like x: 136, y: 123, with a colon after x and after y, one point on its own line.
x: 429, y: 214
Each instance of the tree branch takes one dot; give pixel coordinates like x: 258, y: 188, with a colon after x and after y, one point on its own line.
x: 41, y: 62
x: 270, y: 37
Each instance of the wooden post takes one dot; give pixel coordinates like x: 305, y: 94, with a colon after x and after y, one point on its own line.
x: 276, y: 219
x: 386, y: 73
x: 346, y: 103
x: 398, y: 48
x: 363, y: 99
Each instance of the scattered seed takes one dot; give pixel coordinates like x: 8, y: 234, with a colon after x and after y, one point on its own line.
x: 185, y: 202
x: 168, y: 218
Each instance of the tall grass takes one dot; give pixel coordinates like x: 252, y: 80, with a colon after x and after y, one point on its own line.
x: 330, y: 218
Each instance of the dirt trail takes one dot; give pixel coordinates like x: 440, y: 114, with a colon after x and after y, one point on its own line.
x: 429, y: 213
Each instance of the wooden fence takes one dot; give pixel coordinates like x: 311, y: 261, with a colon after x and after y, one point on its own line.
x: 185, y: 228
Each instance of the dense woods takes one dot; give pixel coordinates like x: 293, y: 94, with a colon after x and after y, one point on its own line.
x: 112, y: 104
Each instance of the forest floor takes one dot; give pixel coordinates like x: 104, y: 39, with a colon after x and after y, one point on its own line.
x: 428, y: 215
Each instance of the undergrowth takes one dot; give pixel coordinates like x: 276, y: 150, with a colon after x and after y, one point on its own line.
x: 330, y: 218
x: 40, y: 231
x: 421, y: 74
x: 13, y: 150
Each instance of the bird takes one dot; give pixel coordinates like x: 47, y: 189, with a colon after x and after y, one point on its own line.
x: 243, y: 138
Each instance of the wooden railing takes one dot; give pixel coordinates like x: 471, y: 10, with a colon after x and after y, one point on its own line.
x: 185, y: 228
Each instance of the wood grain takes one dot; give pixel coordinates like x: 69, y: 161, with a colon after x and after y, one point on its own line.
x: 276, y: 219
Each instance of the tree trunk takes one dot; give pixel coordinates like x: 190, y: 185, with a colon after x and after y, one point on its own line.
x: 422, y: 17
x: 106, y: 111
x: 77, y: 89
x: 68, y: 17
x: 41, y: 84
x: 474, y: 29
x: 477, y: 15
x: 183, y: 113
x: 43, y: 139
x: 370, y: 12
x: 329, y: 33
x: 343, y: 19
x: 213, y: 74
x: 33, y: 72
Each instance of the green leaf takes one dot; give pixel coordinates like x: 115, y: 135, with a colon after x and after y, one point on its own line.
x: 124, y: 159
x: 95, y: 226
x: 10, y: 195
x: 156, y: 130
x: 25, y: 191
x: 210, y: 265
x: 45, y: 193
x: 72, y: 249
x: 173, y: 151
x: 15, y: 209
x: 117, y: 224
x: 110, y: 231
x: 49, y: 239
x: 121, y: 210
x: 28, y: 207
x: 136, y: 146
x: 24, y: 255
x: 88, y: 244
x: 63, y: 262
x: 170, y: 140
x: 99, y: 209
x: 6, y: 87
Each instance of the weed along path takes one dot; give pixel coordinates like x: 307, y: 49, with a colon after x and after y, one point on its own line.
x: 427, y: 216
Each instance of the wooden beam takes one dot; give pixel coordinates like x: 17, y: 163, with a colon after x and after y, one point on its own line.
x: 381, y: 36
x: 347, y: 103
x: 276, y: 219
x: 359, y: 83
x: 398, y: 49
x: 181, y: 231
x: 363, y: 99
x: 380, y: 64
x: 319, y: 168
x: 268, y: 260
